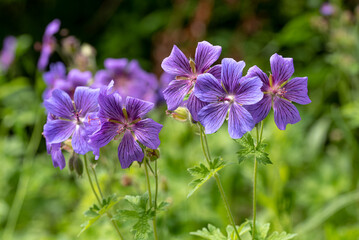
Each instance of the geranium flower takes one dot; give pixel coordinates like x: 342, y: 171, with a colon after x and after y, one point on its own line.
x: 129, y: 79
x: 126, y: 121
x: 48, y: 43
x: 226, y: 96
x: 73, y: 119
x: 186, y: 72
x: 279, y: 92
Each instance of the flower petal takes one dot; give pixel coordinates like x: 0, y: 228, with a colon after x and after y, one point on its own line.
x: 240, y: 121
x: 260, y: 110
x: 249, y: 91
x: 129, y: 150
x: 57, y: 131
x: 58, y: 159
x: 206, y: 55
x: 176, y: 63
x: 175, y: 93
x: 80, y: 140
x: 231, y: 73
x: 110, y: 106
x: 44, y: 57
x: 102, y: 78
x: 284, y: 113
x: 103, y: 136
x: 137, y: 108
x: 146, y: 131
x: 53, y: 27
x: 194, y: 105
x: 208, y: 88
x: 78, y: 78
x: 216, y: 71
x: 257, y: 72
x: 60, y: 104
x: 212, y: 116
x: 282, y: 68
x: 297, y: 90
x: 85, y: 100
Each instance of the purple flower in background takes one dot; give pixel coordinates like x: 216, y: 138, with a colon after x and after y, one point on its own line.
x: 279, y: 92
x: 73, y: 119
x: 165, y: 79
x: 54, y: 150
x: 48, y: 43
x: 7, y: 53
x: 327, y: 9
x: 186, y: 72
x: 128, y: 122
x: 227, y: 95
x: 129, y: 79
x: 56, y: 79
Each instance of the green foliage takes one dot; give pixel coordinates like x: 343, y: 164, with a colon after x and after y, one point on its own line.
x: 248, y: 150
x: 95, y: 212
x: 202, y: 174
x: 244, y: 230
x: 140, y: 214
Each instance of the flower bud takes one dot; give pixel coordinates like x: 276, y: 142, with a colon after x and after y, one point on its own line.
x: 75, y: 164
x: 152, y: 154
x: 180, y: 114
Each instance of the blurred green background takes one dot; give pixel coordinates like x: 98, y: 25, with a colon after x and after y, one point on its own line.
x: 311, y: 188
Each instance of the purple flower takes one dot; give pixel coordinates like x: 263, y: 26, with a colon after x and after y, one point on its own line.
x: 279, y: 92
x: 73, y: 119
x: 129, y: 79
x: 226, y: 96
x: 56, y: 79
x: 186, y: 72
x: 327, y: 9
x: 7, y: 53
x: 48, y: 43
x: 128, y: 122
x: 54, y: 150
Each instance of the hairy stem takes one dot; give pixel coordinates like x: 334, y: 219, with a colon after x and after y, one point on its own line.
x: 258, y: 141
x: 97, y: 197
x: 206, y: 153
x: 154, y: 220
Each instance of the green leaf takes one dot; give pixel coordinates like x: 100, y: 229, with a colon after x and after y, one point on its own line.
x: 202, y: 174
x: 248, y: 150
x: 95, y: 212
x: 281, y: 236
x: 210, y: 233
x: 162, y: 206
x: 242, y: 229
x: 139, y: 214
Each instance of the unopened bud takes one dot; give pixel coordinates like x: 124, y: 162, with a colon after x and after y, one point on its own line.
x: 75, y: 164
x: 152, y: 154
x: 180, y: 114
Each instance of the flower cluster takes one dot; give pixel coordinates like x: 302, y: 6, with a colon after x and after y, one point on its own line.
x: 221, y: 92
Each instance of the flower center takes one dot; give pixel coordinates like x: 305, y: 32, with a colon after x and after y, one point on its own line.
x: 227, y: 99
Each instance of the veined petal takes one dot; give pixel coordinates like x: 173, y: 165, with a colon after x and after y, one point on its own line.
x: 58, y: 159
x: 260, y: 110
x: 249, y: 91
x: 297, y: 90
x: 216, y: 71
x: 194, y: 105
x: 208, y: 88
x: 92, y: 123
x: 282, y: 68
x: 257, y: 72
x: 80, y: 140
x: 137, y: 108
x: 103, y: 136
x: 212, y: 116
x: 231, y: 73
x: 129, y: 150
x: 284, y: 113
x: 85, y: 100
x: 60, y: 104
x: 111, y: 107
x: 206, y: 55
x: 146, y: 131
x: 240, y: 121
x: 176, y: 63
x: 175, y: 93
x: 57, y: 131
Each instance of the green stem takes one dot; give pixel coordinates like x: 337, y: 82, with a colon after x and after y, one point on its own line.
x: 154, y: 221
x: 206, y: 153
x: 96, y: 180
x: 97, y: 197
x: 259, y: 140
